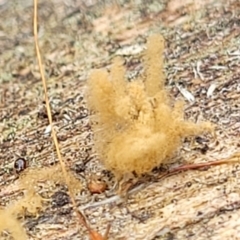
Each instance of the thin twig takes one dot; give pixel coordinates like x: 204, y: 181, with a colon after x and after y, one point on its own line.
x: 93, y: 235
x: 203, y: 165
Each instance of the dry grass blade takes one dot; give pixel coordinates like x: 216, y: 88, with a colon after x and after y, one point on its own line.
x: 196, y: 166
x: 93, y: 234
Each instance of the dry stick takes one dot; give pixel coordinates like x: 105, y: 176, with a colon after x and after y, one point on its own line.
x: 93, y: 235
x: 234, y: 158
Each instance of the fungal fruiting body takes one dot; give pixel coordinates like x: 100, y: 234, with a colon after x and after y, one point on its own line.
x: 137, y: 125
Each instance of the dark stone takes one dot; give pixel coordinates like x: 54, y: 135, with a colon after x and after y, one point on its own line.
x: 59, y: 199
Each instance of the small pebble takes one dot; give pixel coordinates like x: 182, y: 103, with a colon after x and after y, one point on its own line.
x: 20, y: 165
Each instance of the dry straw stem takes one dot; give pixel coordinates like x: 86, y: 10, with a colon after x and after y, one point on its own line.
x: 138, y: 125
x: 93, y: 234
